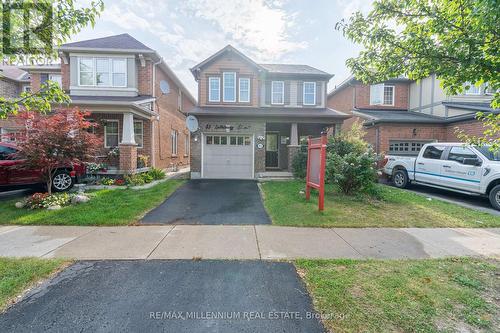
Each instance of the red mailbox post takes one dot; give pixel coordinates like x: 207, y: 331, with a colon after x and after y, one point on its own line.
x: 316, y: 164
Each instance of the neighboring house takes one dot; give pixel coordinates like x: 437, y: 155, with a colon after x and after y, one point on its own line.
x: 118, y: 80
x: 252, y: 116
x: 401, y: 115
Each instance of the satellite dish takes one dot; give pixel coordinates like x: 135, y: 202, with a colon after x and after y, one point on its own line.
x: 164, y: 87
x: 192, y: 124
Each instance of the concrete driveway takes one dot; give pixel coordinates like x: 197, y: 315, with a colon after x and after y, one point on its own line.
x: 211, y: 202
x: 167, y: 296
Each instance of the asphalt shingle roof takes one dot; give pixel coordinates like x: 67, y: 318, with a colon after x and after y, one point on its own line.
x: 14, y: 73
x: 398, y: 116
x: 123, y: 41
x: 292, y: 69
x: 270, y: 112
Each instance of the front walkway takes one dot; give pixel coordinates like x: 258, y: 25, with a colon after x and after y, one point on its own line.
x: 244, y: 242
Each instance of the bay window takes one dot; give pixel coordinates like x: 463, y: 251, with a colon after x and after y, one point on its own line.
x: 102, y: 72
x: 277, y: 92
x: 309, y: 93
x: 229, y: 91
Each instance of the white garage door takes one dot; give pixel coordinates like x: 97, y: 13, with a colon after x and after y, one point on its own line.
x: 228, y: 156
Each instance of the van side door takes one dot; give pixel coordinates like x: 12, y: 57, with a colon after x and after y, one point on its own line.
x: 428, y: 165
x: 460, y: 175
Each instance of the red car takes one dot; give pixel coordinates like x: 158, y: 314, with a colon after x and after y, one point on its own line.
x: 13, y: 174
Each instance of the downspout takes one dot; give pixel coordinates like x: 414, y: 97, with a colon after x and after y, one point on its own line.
x: 157, y: 120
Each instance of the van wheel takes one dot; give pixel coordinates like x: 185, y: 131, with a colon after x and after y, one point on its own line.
x: 495, y: 197
x: 400, y: 178
x: 62, y: 181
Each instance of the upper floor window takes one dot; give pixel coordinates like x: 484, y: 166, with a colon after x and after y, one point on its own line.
x: 277, y: 92
x: 102, y: 72
x: 229, y: 91
x: 214, y: 89
x: 244, y: 93
x: 309, y: 93
x: 381, y: 94
x: 473, y: 89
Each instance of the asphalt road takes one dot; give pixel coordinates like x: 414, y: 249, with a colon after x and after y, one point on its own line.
x: 470, y: 201
x: 212, y: 202
x: 8, y: 194
x: 167, y: 296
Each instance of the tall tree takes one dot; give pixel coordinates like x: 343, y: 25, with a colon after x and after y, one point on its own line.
x: 59, y: 139
x: 458, y: 40
x: 51, y: 23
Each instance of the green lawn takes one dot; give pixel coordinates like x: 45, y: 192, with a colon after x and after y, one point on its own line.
x: 16, y: 275
x: 106, y: 207
x: 445, y: 295
x: 394, y: 208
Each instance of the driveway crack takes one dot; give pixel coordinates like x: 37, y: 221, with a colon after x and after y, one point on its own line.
x: 257, y: 241
x: 161, y: 241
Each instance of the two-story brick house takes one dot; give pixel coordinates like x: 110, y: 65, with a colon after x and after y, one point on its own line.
x: 132, y: 94
x: 401, y: 115
x: 252, y: 116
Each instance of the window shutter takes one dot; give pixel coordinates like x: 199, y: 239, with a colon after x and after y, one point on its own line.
x: 300, y: 93
x: 319, y: 92
x: 287, y: 92
x: 44, y: 77
x: 268, y: 93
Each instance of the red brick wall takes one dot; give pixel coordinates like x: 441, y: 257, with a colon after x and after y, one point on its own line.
x: 400, y: 132
x: 400, y: 97
x: 145, y: 77
x: 343, y: 101
x: 65, y: 78
x: 35, y: 81
x: 471, y: 127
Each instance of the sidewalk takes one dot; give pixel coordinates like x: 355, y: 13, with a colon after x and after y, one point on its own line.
x: 244, y: 242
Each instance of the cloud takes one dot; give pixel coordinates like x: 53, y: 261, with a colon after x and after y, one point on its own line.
x: 352, y: 6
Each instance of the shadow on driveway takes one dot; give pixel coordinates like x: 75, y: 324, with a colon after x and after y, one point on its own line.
x: 158, y: 296
x: 211, y: 202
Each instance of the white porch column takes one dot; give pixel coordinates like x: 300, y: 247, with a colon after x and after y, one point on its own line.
x: 128, y: 137
x: 294, y: 135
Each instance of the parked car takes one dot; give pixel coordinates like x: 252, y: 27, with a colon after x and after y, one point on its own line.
x: 451, y: 166
x: 13, y: 173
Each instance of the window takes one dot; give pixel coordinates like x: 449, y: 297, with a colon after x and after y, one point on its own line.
x: 214, y: 89
x: 229, y: 92
x: 174, y: 136
x: 244, y: 90
x: 381, y: 94
x: 102, y: 72
x: 186, y: 144
x: 458, y: 154
x: 86, y: 72
x: 111, y: 134
x: 309, y: 93
x: 56, y: 78
x: 397, y: 147
x: 231, y: 140
x: 27, y: 88
x: 179, y: 100
x: 473, y: 89
x: 277, y: 92
x: 433, y: 152
x: 139, y: 133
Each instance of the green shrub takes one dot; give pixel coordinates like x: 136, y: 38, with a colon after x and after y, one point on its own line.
x: 299, y: 164
x: 157, y: 174
x: 147, y: 178
x: 134, y: 180
x: 107, y: 181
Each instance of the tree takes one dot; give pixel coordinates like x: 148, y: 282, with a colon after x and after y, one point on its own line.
x: 52, y: 22
x: 458, y: 40
x: 59, y: 139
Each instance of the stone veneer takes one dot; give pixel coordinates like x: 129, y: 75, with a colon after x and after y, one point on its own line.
x: 239, y: 126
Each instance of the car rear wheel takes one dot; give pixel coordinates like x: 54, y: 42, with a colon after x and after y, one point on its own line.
x: 62, y: 181
x: 495, y: 197
x: 400, y: 178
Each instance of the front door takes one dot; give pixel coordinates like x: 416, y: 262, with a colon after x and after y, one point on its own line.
x: 272, y: 150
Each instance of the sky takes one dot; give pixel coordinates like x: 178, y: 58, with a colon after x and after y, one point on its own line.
x: 185, y: 32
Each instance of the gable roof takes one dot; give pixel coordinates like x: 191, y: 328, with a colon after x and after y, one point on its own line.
x: 293, y: 69
x: 14, y: 73
x: 351, y: 79
x: 117, y: 42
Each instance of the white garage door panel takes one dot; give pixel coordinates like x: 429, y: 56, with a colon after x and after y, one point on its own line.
x: 227, y: 161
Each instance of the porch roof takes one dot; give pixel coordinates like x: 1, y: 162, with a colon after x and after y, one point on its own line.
x: 270, y: 112
x: 133, y: 102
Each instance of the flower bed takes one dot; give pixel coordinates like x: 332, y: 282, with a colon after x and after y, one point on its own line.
x: 51, y: 201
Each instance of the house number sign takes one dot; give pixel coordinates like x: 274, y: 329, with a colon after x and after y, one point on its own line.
x: 226, y: 127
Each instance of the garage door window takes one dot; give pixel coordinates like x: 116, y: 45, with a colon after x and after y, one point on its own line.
x: 231, y: 140
x: 397, y: 147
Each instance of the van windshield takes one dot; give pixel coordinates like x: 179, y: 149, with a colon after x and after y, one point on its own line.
x: 489, y: 154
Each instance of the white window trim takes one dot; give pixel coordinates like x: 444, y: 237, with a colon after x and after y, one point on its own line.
x: 173, y: 147
x: 186, y: 144
x: 224, y: 87
x: 282, y: 92
x: 393, y: 94
x: 210, y: 99
x: 106, y: 135
x: 239, y: 89
x: 110, y: 72
x: 304, y: 93
x: 142, y: 133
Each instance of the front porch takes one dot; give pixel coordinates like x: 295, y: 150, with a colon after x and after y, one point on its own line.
x: 283, y: 141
